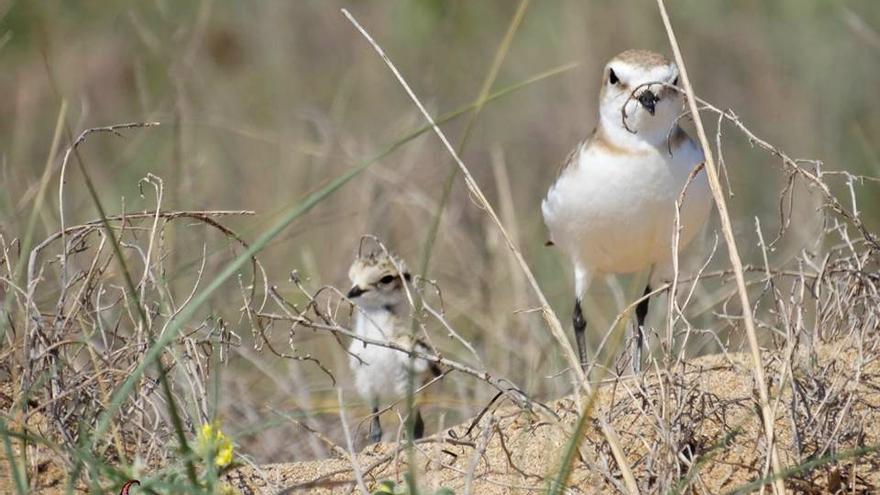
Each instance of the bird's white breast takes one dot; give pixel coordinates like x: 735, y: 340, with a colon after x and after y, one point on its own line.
x: 380, y: 372
x: 614, y: 211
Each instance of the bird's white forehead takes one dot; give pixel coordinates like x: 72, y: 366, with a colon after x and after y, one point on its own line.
x: 633, y: 75
x: 636, y: 67
x: 370, y: 269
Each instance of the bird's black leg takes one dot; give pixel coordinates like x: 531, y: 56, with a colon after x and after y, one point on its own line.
x: 375, y: 427
x: 641, y: 313
x: 580, y: 325
x: 418, y: 426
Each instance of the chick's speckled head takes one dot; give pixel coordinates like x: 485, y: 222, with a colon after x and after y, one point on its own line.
x: 377, y: 280
x: 638, y: 79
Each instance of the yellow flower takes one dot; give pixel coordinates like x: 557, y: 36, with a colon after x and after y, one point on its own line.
x: 211, y: 439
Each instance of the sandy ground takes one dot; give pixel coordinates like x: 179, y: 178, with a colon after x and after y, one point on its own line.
x: 716, y: 432
x: 721, y: 445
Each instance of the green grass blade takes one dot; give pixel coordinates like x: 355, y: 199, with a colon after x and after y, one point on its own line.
x: 17, y: 476
x: 558, y: 484
x: 27, y: 240
x: 134, y: 300
x: 26, y: 244
x: 560, y: 481
x: 433, y: 230
x: 264, y: 239
x: 482, y: 98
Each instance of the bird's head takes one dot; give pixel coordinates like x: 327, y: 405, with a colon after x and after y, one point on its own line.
x: 378, y: 281
x: 636, y: 97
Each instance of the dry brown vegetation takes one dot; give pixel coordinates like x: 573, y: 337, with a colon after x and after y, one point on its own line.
x: 211, y: 290
x: 713, y: 428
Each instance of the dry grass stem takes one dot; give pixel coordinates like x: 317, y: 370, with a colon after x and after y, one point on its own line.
x: 733, y: 252
x: 547, y: 311
x: 212, y: 284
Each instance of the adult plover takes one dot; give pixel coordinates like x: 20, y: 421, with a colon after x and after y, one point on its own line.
x: 612, y: 208
x: 379, y: 283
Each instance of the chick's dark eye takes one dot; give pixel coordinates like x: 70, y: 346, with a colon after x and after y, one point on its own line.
x: 612, y: 77
x: 387, y: 279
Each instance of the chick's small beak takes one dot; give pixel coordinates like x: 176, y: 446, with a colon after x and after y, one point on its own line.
x: 648, y: 99
x: 354, y: 292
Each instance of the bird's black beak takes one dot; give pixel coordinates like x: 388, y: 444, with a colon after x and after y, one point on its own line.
x: 648, y: 99
x: 354, y: 292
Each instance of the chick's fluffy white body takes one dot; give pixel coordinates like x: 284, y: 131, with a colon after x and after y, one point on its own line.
x: 614, y: 212
x: 381, y: 373
x: 379, y: 285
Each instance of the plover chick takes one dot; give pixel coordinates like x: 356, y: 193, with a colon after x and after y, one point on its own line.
x: 612, y: 208
x: 379, y: 283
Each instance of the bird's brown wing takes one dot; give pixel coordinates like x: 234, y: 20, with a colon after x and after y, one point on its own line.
x: 571, y: 158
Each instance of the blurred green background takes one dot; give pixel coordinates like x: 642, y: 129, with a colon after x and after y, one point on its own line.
x: 263, y: 102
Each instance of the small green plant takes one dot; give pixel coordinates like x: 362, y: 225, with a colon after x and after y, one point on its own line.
x: 212, y: 456
x: 215, y: 451
x: 212, y: 443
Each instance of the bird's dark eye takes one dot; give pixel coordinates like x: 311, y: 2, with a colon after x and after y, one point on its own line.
x: 612, y: 77
x: 675, y: 83
x: 387, y: 279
